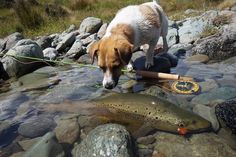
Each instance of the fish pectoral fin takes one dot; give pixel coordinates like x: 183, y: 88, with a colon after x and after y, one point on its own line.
x: 143, y: 130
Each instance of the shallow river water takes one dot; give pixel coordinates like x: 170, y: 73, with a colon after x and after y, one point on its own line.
x: 23, y: 99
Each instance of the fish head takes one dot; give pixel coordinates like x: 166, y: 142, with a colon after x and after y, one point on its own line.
x: 195, y: 124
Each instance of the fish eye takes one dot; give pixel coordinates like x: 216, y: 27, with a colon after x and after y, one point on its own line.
x: 181, y: 125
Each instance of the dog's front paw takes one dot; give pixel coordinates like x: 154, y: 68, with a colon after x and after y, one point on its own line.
x: 148, y: 65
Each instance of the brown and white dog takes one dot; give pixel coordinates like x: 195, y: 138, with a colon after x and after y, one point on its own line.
x: 132, y: 27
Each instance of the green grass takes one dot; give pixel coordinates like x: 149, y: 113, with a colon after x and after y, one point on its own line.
x: 80, y: 9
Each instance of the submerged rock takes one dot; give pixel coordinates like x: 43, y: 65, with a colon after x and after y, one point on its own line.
x: 111, y: 140
x: 207, y: 113
x: 36, y: 126
x: 223, y: 93
x: 204, y: 145
x: 47, y: 147
x: 198, y: 58
x: 67, y: 130
x: 9, y: 105
x: 26, y: 144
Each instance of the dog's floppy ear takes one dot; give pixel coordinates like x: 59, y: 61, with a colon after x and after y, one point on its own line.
x: 93, y: 50
x: 124, y: 50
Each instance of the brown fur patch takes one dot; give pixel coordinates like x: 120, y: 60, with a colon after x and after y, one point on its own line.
x: 150, y: 15
x: 124, y: 30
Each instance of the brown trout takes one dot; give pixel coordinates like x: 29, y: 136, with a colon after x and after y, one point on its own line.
x: 151, y: 112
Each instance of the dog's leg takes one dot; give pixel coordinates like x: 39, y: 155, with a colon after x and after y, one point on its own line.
x: 165, y: 45
x: 149, y: 56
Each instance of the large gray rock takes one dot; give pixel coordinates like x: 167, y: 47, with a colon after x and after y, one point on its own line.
x: 47, y: 147
x: 36, y: 126
x: 19, y: 67
x: 76, y: 50
x: 102, y: 30
x: 110, y: 140
x: 11, y: 40
x: 66, y: 41
x: 44, y: 42
x: 199, y: 145
x: 190, y: 29
x: 90, y: 25
x: 220, y: 46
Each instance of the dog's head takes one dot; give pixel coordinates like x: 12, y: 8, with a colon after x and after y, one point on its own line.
x: 112, y: 54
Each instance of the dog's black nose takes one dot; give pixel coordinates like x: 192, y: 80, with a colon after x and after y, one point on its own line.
x: 109, y: 86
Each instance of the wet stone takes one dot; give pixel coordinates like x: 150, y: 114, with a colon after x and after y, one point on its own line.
x: 67, y: 130
x: 36, y: 126
x: 47, y: 147
x: 228, y: 137
x: 161, y: 64
x: 155, y: 91
x: 198, y: 58
x: 207, y: 85
x: 85, y: 59
x: 10, y: 104
x: 145, y: 152
x: 146, y: 140
x: 226, y: 111
x: 223, y: 93
x: 207, y: 113
x: 105, y: 140
x: 18, y: 154
x: 204, y: 145
x: 26, y: 144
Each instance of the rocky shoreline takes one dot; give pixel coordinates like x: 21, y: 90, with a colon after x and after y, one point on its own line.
x: 26, y: 130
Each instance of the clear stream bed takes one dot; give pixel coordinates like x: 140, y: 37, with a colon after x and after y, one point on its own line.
x: 23, y: 99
